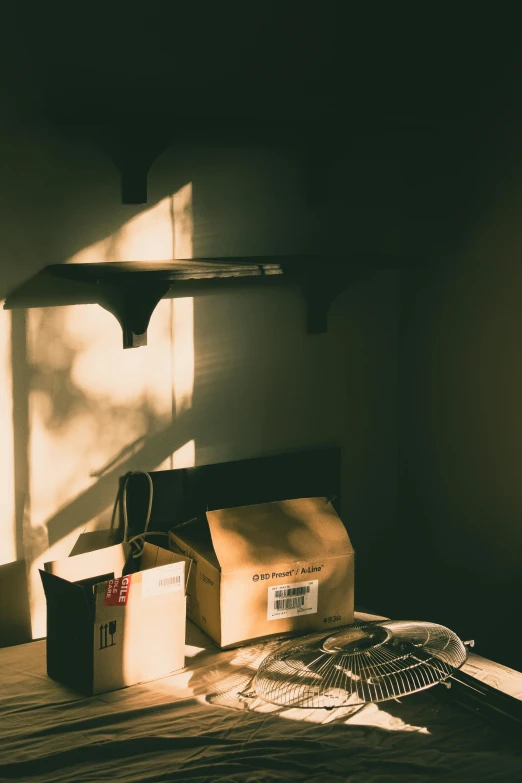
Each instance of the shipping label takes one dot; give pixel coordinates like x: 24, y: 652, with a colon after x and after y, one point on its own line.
x: 164, y: 579
x: 292, y: 600
x: 117, y: 591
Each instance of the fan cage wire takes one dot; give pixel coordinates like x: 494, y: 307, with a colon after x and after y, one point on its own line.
x: 379, y: 673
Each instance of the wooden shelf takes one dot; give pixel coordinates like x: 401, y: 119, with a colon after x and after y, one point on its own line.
x: 132, y: 290
x: 171, y: 271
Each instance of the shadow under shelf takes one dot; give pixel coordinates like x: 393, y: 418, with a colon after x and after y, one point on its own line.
x: 132, y: 290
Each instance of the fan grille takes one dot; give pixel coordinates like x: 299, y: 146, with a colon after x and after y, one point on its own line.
x: 365, y: 662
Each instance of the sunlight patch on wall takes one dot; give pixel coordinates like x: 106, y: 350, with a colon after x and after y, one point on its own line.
x: 106, y: 398
x: 160, y: 233
x: 7, y: 506
x: 102, y: 370
x: 182, y: 352
x: 145, y: 237
x: 94, y: 254
x: 183, y: 222
x: 182, y: 309
x: 95, y: 409
x: 185, y: 456
x: 89, y: 400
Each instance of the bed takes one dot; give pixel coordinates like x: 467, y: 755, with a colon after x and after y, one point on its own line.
x: 195, y: 726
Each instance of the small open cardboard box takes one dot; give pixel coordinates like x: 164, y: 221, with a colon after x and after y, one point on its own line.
x: 267, y: 569
x: 108, y: 628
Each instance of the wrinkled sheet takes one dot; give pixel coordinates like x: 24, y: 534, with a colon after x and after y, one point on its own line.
x: 195, y: 726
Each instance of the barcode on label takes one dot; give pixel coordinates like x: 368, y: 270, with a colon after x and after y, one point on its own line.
x: 292, y: 591
x: 171, y: 580
x: 291, y: 600
x: 162, y: 580
x: 289, y: 603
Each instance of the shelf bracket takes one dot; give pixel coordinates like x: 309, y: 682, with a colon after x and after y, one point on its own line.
x: 320, y: 294
x: 133, y: 150
x: 318, y: 303
x: 132, y: 303
x: 132, y: 290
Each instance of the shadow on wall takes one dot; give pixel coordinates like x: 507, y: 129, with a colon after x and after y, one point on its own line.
x: 461, y: 503
x: 15, y: 611
x: 84, y: 414
x: 233, y: 377
x: 79, y: 403
x: 91, y: 412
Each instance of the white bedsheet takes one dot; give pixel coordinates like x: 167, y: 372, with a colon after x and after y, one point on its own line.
x: 193, y: 726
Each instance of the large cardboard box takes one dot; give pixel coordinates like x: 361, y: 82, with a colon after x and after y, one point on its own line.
x: 267, y: 569
x: 106, y: 631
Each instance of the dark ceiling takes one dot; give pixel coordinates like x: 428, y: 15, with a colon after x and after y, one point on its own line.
x: 437, y: 84
x: 283, y: 62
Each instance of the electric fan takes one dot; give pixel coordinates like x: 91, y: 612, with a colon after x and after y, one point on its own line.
x: 361, y: 663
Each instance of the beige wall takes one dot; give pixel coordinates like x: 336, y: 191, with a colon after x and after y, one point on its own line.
x: 461, y: 430
x: 224, y: 376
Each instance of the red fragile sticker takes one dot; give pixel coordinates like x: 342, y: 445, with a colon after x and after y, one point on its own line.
x: 117, y: 591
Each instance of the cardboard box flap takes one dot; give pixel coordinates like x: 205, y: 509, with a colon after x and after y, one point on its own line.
x: 88, y: 542
x: 156, y: 556
x: 110, y: 560
x: 281, y: 532
x: 74, y: 598
x: 69, y: 632
x: 196, y: 535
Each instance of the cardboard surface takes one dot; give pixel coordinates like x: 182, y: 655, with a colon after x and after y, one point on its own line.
x: 273, y: 568
x: 95, y: 539
x: 109, y: 560
x: 107, y: 630
x: 281, y: 532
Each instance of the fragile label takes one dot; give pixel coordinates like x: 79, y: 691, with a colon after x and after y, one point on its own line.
x: 164, y: 579
x: 117, y: 592
x: 292, y: 600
